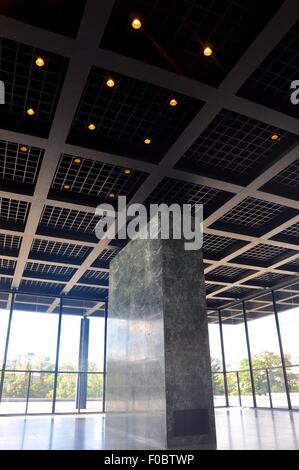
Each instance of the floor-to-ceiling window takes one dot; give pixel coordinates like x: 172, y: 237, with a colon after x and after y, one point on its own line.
x: 266, y: 359
x: 53, y: 354
x: 236, y: 356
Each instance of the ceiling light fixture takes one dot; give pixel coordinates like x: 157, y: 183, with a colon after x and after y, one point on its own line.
x: 173, y: 102
x: 110, y: 82
x: 207, y: 51
x: 30, y: 111
x: 91, y: 127
x: 136, y: 23
x: 24, y: 149
x: 127, y: 171
x: 274, y: 137
x: 67, y: 186
x: 40, y: 62
x: 77, y: 161
x: 147, y: 141
x: 111, y: 195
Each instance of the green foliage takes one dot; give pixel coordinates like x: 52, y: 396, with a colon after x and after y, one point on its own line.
x: 260, y: 362
x: 41, y: 386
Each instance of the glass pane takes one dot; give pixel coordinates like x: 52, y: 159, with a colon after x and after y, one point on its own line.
x: 33, y: 335
x: 287, y: 305
x: 232, y: 387
x: 216, y: 359
x: 66, y: 393
x: 41, y: 392
x: 265, y: 351
x: 94, y: 393
x: 236, y: 356
x: 218, y: 389
x: 14, y: 396
x: 70, y: 336
x: 96, y: 344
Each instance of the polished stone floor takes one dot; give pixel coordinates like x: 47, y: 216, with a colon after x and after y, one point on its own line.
x: 236, y: 429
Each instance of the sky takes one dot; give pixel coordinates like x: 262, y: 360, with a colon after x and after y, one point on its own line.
x: 33, y: 332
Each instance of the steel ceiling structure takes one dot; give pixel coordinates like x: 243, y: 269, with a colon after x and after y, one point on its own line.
x: 216, y: 150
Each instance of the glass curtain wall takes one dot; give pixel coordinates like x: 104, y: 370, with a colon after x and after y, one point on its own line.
x: 260, y: 355
x: 52, y: 357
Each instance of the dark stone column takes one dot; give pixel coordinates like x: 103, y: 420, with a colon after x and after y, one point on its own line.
x: 159, y: 387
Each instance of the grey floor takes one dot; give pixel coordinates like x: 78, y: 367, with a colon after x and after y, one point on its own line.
x: 236, y: 429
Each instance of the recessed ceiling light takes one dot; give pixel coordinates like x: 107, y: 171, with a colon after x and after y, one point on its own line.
x: 127, y: 171
x: 207, y: 51
x: 77, y: 161
x: 30, y: 111
x: 40, y: 62
x: 91, y: 127
x: 147, y: 141
x: 274, y: 137
x: 136, y: 23
x: 24, y: 149
x: 111, y: 195
x: 110, y: 82
x: 67, y: 186
x: 173, y: 102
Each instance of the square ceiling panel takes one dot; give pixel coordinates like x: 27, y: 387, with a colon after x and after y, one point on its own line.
x: 227, y: 274
x: 269, y: 279
x: 13, y: 213
x: 59, y: 16
x: 48, y: 271
x: 172, y: 191
x: 9, y: 244
x: 174, y: 34
x: 127, y: 114
x: 95, y: 277
x: 254, y: 217
x: 286, y: 183
x: 263, y: 255
x: 289, y: 234
x: 29, y: 87
x: 236, y: 148
x: 19, y: 166
x: 92, y: 182
x: 7, y: 266
x: 270, y: 84
x: 58, y: 251
x: 216, y: 247
x: 103, y: 260
x: 68, y: 223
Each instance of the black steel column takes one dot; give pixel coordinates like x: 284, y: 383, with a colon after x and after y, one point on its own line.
x: 285, y: 375
x: 81, y: 397
x: 6, y: 345
x: 223, y: 359
x: 249, y: 355
x: 105, y: 355
x: 57, y: 355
